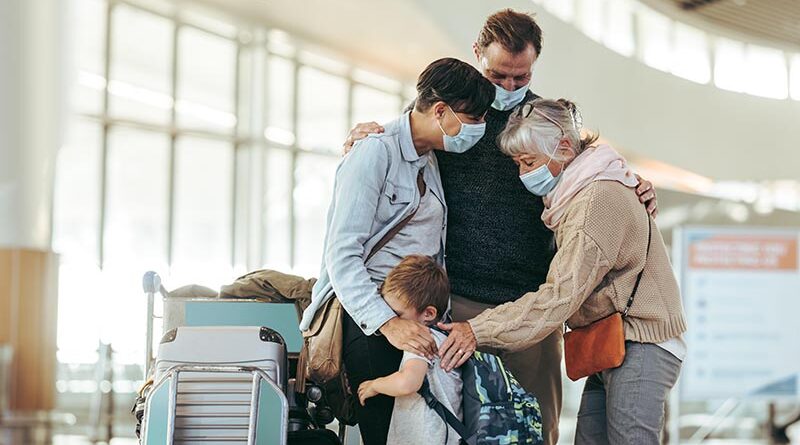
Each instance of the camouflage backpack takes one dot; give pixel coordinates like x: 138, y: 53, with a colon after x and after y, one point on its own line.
x: 497, y: 410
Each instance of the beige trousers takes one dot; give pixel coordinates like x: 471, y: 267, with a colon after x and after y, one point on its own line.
x: 538, y: 368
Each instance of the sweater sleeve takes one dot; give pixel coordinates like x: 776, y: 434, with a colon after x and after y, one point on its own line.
x: 576, y: 270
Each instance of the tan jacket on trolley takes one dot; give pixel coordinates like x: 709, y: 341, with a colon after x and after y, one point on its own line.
x: 602, y: 241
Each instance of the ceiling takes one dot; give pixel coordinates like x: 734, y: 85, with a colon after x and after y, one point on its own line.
x: 353, y: 29
x: 772, y: 20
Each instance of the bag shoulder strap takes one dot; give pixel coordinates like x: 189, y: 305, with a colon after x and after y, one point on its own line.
x: 396, y: 229
x: 639, y: 277
x: 442, y: 411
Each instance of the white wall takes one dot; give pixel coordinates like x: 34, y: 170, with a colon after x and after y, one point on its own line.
x: 31, y: 107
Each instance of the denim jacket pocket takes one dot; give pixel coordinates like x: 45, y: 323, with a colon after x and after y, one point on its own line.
x: 394, y: 200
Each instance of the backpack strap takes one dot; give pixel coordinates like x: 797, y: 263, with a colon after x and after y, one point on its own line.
x: 442, y: 411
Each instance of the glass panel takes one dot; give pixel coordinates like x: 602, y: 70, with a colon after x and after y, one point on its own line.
x: 280, y: 76
x: 323, y: 62
x: 250, y: 115
x: 88, y: 22
x: 619, y: 27
x: 137, y: 200
x: 249, y: 211
x: 373, y: 105
x: 563, y: 9
x: 767, y: 74
x: 654, y: 38
x: 141, y: 65
x: 203, y: 206
x: 312, y: 197
x: 376, y: 80
x: 591, y: 18
x: 690, y: 57
x: 795, y: 79
x: 206, y: 81
x: 80, y: 299
x: 322, y: 110
x: 122, y: 312
x: 277, y: 203
x: 279, y: 42
x: 76, y: 200
x: 729, y: 65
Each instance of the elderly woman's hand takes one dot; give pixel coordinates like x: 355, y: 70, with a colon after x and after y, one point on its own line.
x: 459, y: 345
x: 647, y: 195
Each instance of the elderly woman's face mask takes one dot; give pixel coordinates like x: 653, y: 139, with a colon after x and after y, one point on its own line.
x: 536, y: 174
x: 535, y: 168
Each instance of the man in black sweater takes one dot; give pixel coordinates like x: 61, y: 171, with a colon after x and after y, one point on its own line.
x: 497, y: 246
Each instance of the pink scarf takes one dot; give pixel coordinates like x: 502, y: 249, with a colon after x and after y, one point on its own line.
x: 600, y: 163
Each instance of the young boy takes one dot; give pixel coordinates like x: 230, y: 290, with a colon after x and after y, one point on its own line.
x: 417, y: 289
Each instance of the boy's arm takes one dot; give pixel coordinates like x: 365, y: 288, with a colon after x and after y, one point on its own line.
x: 407, y: 380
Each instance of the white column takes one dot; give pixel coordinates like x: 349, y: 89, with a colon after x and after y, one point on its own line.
x: 31, y: 109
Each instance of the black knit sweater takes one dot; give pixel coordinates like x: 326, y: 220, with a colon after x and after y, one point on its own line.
x: 498, y: 248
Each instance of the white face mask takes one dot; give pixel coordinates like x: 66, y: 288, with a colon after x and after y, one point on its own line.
x: 467, y: 136
x: 506, y: 100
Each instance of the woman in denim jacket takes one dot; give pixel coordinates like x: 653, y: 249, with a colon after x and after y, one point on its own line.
x: 385, y: 179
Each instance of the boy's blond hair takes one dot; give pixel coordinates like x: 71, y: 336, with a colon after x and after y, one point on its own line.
x: 420, y: 282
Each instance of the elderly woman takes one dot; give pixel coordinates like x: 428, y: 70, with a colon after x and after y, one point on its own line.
x: 606, y: 245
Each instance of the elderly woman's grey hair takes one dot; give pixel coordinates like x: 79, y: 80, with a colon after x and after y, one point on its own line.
x: 536, y: 127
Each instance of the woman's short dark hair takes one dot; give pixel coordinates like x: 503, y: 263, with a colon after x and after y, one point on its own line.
x: 457, y: 84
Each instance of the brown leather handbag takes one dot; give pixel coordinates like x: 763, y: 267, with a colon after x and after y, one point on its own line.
x: 600, y: 345
x: 322, y: 347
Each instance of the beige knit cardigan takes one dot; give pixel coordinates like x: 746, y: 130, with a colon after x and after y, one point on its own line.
x: 601, y: 241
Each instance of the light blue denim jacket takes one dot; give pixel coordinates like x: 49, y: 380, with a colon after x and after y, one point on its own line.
x: 375, y: 188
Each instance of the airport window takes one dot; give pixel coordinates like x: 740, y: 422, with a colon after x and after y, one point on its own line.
x: 312, y: 193
x: 767, y: 74
x: 137, y: 199
x: 202, y: 231
x: 370, y: 104
x: 76, y: 210
x: 140, y: 66
x: 590, y: 18
x: 206, y: 84
x: 729, y: 65
x: 795, y: 77
x: 655, y: 36
x: 178, y: 174
x: 690, y: 54
x: 276, y: 217
x: 322, y: 110
x: 280, y: 105
x: 89, y: 22
x: 619, y: 34
x: 563, y: 9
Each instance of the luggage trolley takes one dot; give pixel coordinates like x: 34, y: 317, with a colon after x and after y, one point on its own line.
x: 221, y: 376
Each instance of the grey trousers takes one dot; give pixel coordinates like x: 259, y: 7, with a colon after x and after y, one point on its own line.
x: 625, y: 405
x: 538, y: 368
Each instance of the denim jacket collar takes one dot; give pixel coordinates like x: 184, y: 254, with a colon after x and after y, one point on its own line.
x: 407, y: 142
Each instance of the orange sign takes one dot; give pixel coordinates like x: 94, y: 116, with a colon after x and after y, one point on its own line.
x: 745, y: 252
